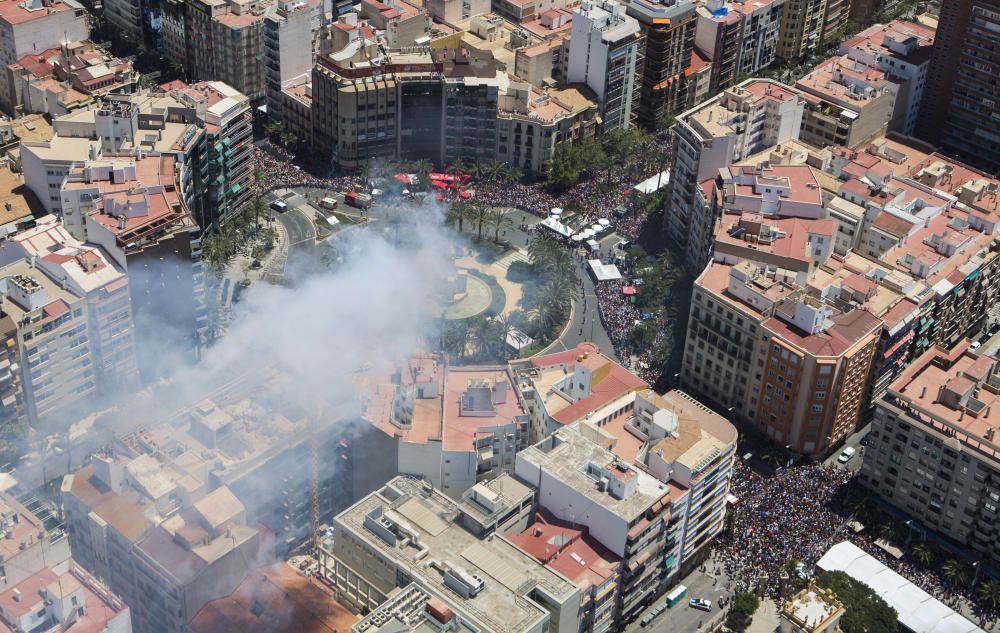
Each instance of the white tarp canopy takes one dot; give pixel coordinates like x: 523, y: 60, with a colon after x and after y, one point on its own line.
x: 518, y: 340
x: 556, y: 211
x: 604, y: 222
x: 553, y: 224
x: 604, y: 272
x: 593, y: 245
x: 918, y: 611
x: 653, y: 183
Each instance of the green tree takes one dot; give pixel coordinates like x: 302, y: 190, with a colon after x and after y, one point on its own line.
x: 620, y: 146
x: 923, y: 555
x: 989, y: 592
x: 741, y: 614
x: 499, y: 219
x: 458, y: 213
x: 866, y: 611
x: 481, y: 215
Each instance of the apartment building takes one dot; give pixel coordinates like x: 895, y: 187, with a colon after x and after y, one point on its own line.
x: 366, y: 105
x: 963, y: 123
x: 801, y: 28
x: 42, y: 588
x: 738, y: 123
x: 31, y: 27
x: 740, y: 37
x: 159, y: 538
x: 454, y: 11
x: 522, y: 11
x: 224, y: 41
x: 562, y: 388
x: 125, y: 17
x: 405, y: 544
x: 847, y: 103
x: 226, y: 164
x: 932, y: 451
x: 606, y: 53
x: 74, y: 322
x: 669, y: 33
x: 71, y: 76
x: 838, y: 12
x: 289, y: 43
x: 902, y: 50
x: 451, y: 426
x: 531, y: 123
x: 275, y: 599
x: 648, y: 483
x: 570, y: 551
x: 12, y: 414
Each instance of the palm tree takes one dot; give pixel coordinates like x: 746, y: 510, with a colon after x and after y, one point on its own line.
x: 888, y: 531
x: 456, y: 338
x: 421, y: 168
x: 458, y: 213
x: 989, y: 592
x: 857, y: 506
x: 951, y: 571
x: 257, y: 208
x: 481, y: 214
x: 258, y: 180
x: 500, y: 219
x: 923, y: 555
x: 502, y: 328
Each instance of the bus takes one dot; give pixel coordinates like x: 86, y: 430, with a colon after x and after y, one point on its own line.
x: 676, y: 595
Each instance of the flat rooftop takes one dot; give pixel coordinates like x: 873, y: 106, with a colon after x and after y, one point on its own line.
x: 508, y: 572
x: 566, y: 455
x: 23, y: 202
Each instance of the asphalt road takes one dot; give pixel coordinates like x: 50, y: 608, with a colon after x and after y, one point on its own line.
x: 682, y: 618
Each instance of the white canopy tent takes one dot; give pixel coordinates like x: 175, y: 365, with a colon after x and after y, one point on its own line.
x: 918, y: 611
x: 653, y: 183
x: 553, y: 224
x: 603, y: 272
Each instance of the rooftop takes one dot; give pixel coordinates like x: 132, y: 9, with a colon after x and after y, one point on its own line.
x: 508, y: 575
x: 898, y: 40
x: 570, y: 456
x: 65, y: 580
x: 23, y: 203
x: 845, y: 82
x: 568, y: 550
x: 846, y: 330
x: 274, y: 599
x: 20, y: 11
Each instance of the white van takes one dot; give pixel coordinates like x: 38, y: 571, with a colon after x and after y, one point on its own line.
x: 280, y: 206
x: 847, y: 454
x: 328, y: 203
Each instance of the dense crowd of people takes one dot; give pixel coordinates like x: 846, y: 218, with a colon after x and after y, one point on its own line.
x: 777, y: 519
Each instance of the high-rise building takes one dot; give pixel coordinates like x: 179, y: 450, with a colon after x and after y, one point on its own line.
x: 801, y: 28
x: 744, y: 120
x: 901, y: 50
x: 835, y: 19
x: 933, y: 448
x: 669, y: 32
x: 289, y: 43
x: 224, y: 41
x: 29, y: 28
x: 606, y: 53
x: 437, y: 104
x: 739, y: 36
x: 647, y: 476
x: 228, y: 180
x: 961, y: 94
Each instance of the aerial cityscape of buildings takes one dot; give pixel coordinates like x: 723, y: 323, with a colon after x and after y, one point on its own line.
x: 715, y: 297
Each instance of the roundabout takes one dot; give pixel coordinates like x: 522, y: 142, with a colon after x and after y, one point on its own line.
x: 474, y: 300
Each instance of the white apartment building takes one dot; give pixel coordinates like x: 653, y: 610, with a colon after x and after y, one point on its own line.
x: 409, y: 534
x: 32, y: 26
x: 902, y: 50
x: 647, y: 475
x: 606, y: 49
x: 738, y: 123
x: 74, y: 323
x: 289, y: 43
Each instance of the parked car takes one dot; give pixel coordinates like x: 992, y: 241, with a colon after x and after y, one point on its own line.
x: 699, y: 603
x: 975, y: 345
x: 847, y: 454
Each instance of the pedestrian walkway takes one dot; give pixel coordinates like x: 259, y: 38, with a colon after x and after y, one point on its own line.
x: 514, y: 255
x: 766, y: 619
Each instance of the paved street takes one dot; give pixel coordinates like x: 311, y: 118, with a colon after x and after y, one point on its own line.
x: 683, y: 618
x: 854, y: 465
